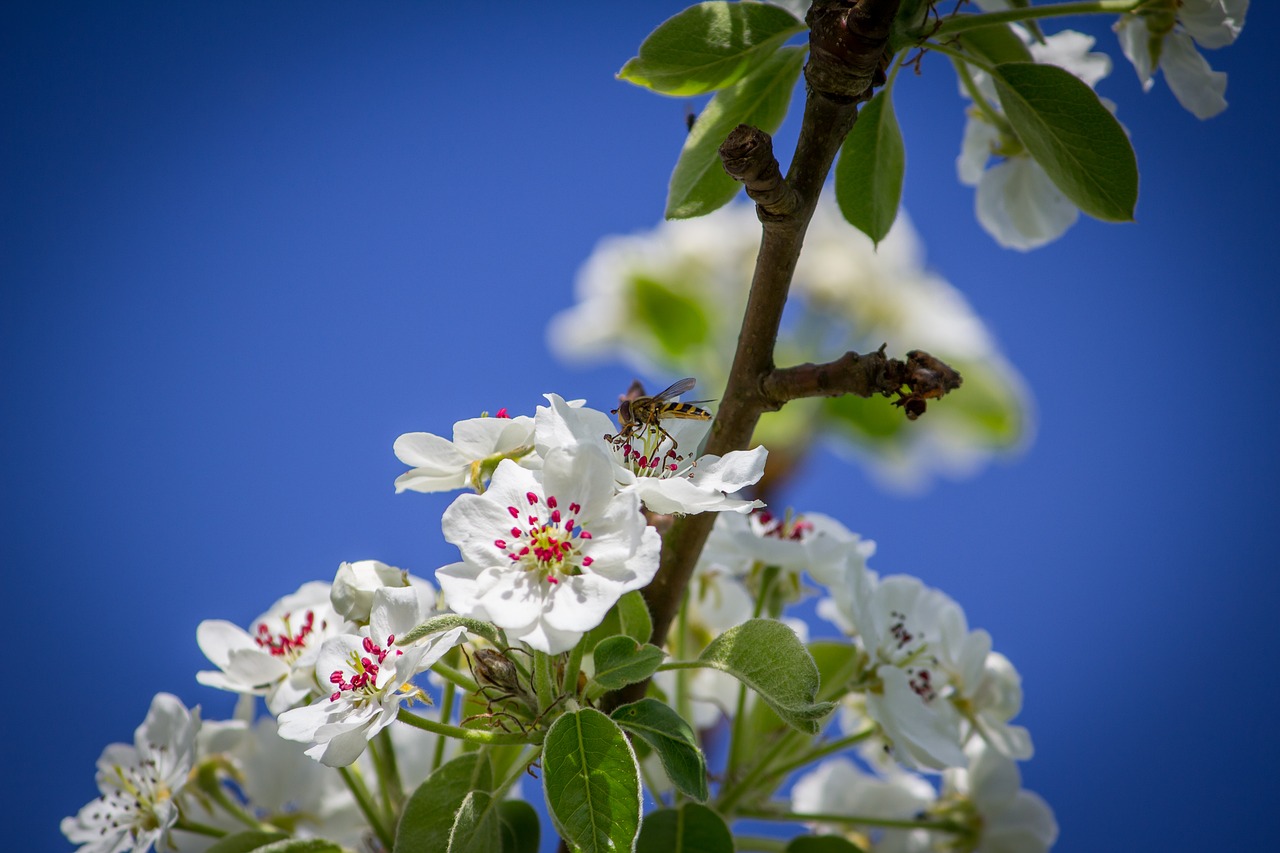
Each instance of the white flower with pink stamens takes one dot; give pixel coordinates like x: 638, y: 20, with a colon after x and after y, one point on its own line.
x: 544, y: 556
x: 276, y: 660
x: 370, y: 678
x: 664, y: 471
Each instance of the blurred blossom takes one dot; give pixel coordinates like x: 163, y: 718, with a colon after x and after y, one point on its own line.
x: 670, y: 301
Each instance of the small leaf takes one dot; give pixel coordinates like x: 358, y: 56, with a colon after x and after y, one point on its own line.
x: 995, y: 44
x: 709, y: 46
x: 673, y: 739
x: 769, y: 658
x: 699, y: 184
x: 629, y: 616
x: 592, y: 782
x: 437, y: 624
x: 428, y: 818
x: 243, y: 842
x: 519, y: 823
x: 621, y: 661
x: 689, y: 829
x: 872, y: 163
x: 822, y: 844
x: 475, y: 825
x: 1074, y: 138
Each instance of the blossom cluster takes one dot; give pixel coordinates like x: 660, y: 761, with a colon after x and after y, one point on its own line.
x: 554, y: 530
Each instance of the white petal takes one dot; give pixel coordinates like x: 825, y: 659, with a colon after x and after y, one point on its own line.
x: 476, y: 438
x: 1197, y: 87
x: 1020, y: 207
x: 1213, y: 23
x: 461, y: 585
x: 735, y: 470
x: 980, y: 139
x: 1135, y: 42
x: 217, y: 638
x: 431, y: 452
x: 581, y: 473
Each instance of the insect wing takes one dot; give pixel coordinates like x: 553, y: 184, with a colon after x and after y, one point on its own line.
x: 676, y: 389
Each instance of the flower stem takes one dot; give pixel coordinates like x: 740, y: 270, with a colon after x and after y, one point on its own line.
x: 542, y: 682
x: 571, y: 670
x: 768, y: 574
x: 388, y: 772
x: 862, y: 820
x: 187, y: 825
x: 351, y: 775
x: 960, y: 23
x: 481, y: 736
x: 446, y: 714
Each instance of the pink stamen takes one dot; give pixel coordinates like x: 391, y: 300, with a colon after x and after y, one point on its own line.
x: 531, y: 498
x: 502, y: 413
x: 515, y: 513
x: 586, y: 561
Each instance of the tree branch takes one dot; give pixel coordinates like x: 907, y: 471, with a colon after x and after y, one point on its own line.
x: 924, y: 375
x: 847, y: 56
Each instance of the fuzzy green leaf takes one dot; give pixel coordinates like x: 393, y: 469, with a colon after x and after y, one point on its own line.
x: 428, y: 818
x: 243, y: 842
x: 621, y: 661
x: 673, y: 739
x: 769, y: 658
x: 519, y: 822
x: 689, y: 829
x: 591, y: 782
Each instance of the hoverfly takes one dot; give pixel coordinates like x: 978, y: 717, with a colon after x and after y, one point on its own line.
x: 639, y: 413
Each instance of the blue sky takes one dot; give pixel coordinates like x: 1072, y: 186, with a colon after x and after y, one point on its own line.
x: 247, y: 245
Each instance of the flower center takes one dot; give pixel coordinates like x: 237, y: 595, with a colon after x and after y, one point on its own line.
x: 790, y: 527
x: 551, y: 544
x: 649, y: 459
x: 288, y: 643
x: 910, y: 652
x: 364, y: 670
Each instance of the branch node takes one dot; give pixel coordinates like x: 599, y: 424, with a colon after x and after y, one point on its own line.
x: 747, y: 155
x: 847, y: 41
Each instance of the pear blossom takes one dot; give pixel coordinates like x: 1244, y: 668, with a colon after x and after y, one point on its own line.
x: 986, y: 796
x: 900, y: 625
x: 441, y: 465
x: 371, y: 677
x: 794, y: 542
x: 355, y: 584
x: 663, y: 471
x: 544, y: 556
x: 838, y: 786
x: 278, y: 659
x: 140, y: 784
x: 1163, y: 37
x: 1016, y: 202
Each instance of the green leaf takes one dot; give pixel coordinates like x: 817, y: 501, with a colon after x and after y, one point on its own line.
x: 519, y: 822
x: 1073, y: 137
x: 475, y: 825
x: 709, y: 46
x: 673, y: 739
x: 428, y: 818
x: 242, y: 842
x: 592, y: 782
x: 443, y: 623
x: 301, y: 845
x: 699, y: 184
x: 995, y: 44
x: 769, y: 658
x: 621, y: 661
x: 822, y: 844
x: 677, y: 322
x: 869, y: 174
x: 689, y: 829
x: 870, y: 421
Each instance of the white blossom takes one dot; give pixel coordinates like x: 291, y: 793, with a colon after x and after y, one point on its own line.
x: 1164, y: 38
x: 441, y: 465
x: 355, y: 584
x: 663, y: 471
x: 544, y: 556
x: 838, y: 786
x: 1016, y: 201
x: 371, y: 678
x: 276, y: 660
x: 140, y: 784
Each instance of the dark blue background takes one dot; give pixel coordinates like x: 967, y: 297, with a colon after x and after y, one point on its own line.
x: 246, y: 245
